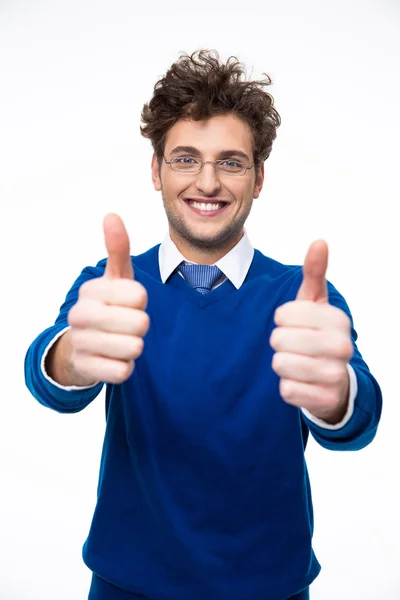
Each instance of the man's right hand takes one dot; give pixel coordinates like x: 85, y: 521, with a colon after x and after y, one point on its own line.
x: 108, y: 322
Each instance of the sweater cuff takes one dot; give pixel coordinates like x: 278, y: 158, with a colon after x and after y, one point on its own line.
x: 353, y: 388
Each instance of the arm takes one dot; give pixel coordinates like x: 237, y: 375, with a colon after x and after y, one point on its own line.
x: 106, y: 309
x: 321, y: 369
x: 49, y: 374
x: 360, y: 429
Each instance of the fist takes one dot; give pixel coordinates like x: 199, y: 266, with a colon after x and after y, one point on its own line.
x: 312, y: 343
x: 109, y: 321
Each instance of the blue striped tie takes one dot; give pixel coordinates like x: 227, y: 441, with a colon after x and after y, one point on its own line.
x: 200, y: 277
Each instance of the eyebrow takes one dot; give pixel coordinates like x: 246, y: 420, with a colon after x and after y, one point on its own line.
x: 223, y: 154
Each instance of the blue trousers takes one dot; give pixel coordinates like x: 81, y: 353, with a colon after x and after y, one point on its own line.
x: 101, y: 590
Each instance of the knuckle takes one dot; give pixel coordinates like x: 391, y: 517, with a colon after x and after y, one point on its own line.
x: 275, y: 338
x: 142, y: 323
x: 346, y: 322
x: 146, y: 322
x: 84, y: 289
x: 346, y: 349
x: 123, y: 371
x: 284, y: 312
x: 343, y: 319
x: 71, y: 315
x: 286, y: 389
x: 335, y: 374
x: 278, y: 315
x: 137, y: 347
x: 81, y: 313
x: 76, y: 316
x: 89, y: 288
x: 140, y: 294
x: 277, y: 362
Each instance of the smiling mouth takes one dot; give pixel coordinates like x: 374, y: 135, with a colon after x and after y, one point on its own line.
x: 206, y: 208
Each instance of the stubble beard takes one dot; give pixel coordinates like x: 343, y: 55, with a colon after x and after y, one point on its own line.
x: 225, y: 238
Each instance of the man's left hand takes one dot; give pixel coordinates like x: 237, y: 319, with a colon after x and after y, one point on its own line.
x: 313, y: 345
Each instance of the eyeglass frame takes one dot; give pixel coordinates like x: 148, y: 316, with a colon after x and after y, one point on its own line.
x: 211, y: 162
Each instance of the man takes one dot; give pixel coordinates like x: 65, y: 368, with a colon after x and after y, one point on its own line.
x: 203, y: 490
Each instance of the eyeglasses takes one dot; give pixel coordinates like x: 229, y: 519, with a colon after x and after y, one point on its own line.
x: 190, y: 164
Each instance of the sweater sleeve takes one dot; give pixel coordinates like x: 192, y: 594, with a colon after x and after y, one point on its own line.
x: 360, y: 429
x: 42, y: 387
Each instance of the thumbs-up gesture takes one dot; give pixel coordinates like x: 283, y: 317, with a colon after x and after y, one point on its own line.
x: 313, y: 345
x: 108, y: 321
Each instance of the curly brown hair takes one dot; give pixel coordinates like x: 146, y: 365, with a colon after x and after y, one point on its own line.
x: 199, y: 86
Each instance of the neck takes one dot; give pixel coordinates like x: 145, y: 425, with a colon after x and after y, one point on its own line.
x: 203, y: 256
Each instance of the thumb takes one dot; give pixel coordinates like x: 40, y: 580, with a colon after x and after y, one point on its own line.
x: 314, y: 286
x: 119, y: 263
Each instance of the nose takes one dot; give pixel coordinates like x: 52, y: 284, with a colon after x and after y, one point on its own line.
x: 207, y: 180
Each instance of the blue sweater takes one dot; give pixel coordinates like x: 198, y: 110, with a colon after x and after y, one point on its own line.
x: 203, y: 490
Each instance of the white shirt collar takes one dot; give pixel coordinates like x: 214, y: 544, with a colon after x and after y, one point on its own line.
x: 234, y: 265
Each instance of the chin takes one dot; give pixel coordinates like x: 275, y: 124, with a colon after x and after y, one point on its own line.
x: 216, y: 240
x: 205, y: 236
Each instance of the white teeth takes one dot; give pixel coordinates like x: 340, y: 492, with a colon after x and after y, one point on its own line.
x: 206, y: 206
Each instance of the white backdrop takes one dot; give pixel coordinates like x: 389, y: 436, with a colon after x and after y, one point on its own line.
x: 73, y: 78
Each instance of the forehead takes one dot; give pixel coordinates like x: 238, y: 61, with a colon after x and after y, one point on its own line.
x: 211, y: 136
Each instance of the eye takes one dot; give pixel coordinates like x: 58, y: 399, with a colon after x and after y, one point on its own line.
x: 185, y: 160
x: 231, y: 163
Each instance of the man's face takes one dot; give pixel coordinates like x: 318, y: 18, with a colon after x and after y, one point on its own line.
x: 186, y: 196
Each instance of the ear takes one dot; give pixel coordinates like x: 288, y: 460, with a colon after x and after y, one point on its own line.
x: 155, y: 173
x: 259, y: 181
